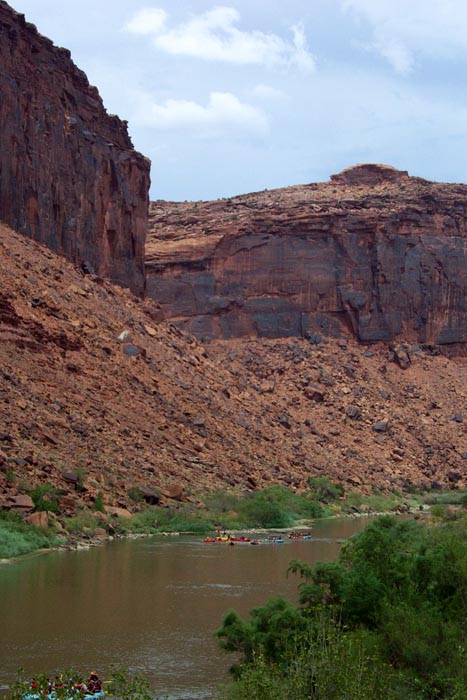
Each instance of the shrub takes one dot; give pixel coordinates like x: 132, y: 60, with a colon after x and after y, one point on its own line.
x: 135, y: 494
x: 324, y: 490
x: 277, y: 507
x: 17, y: 537
x: 45, y: 497
x: 78, y: 524
x: 400, y: 584
x: 99, y: 503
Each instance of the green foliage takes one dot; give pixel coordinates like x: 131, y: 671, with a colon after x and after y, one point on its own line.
x: 80, y: 477
x: 98, y: 504
x: 82, y: 522
x: 45, y: 497
x: 277, y: 506
x: 374, y: 503
x: 126, y: 686
x: 157, y: 519
x: 222, y: 501
x: 135, y: 494
x: 458, y: 497
x: 17, y: 537
x: 268, y: 632
x: 324, y: 662
x: 400, y: 584
x: 324, y: 490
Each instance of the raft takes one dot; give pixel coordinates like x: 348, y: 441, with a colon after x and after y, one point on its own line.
x: 299, y: 536
x: 76, y: 696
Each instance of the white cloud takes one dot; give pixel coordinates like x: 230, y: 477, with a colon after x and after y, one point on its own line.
x: 149, y: 20
x: 224, y: 112
x: 402, y: 30
x: 213, y: 35
x: 267, y: 92
x: 301, y: 56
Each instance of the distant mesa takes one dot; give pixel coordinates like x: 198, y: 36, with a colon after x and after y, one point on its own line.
x: 372, y: 252
x: 369, y: 174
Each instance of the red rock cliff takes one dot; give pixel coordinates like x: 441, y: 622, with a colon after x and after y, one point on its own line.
x: 374, y: 251
x: 69, y: 176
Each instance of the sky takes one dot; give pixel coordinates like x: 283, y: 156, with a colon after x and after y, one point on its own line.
x: 239, y: 96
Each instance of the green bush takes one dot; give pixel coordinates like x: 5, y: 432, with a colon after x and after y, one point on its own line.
x: 324, y: 490
x: 277, y: 507
x: 135, y: 494
x: 401, y: 584
x: 157, y: 519
x: 322, y: 662
x: 46, y: 497
x: 98, y: 504
x: 17, y: 537
x: 82, y: 522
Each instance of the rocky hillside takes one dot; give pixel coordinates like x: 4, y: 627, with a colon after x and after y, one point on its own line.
x: 69, y: 176
x: 373, y: 252
x: 98, y: 393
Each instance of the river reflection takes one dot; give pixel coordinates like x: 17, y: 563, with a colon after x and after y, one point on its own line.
x: 149, y: 604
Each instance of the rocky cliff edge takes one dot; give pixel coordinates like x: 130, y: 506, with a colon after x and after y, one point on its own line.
x: 69, y: 176
x: 374, y: 253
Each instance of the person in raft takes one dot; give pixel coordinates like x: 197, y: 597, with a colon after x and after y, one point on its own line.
x: 94, y: 684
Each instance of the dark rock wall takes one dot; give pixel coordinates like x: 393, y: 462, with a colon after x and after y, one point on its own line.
x: 69, y: 176
x: 379, y: 263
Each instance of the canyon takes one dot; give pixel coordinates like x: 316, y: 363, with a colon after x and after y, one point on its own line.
x: 373, y: 253
x: 69, y: 176
x: 264, y: 339
x: 99, y: 393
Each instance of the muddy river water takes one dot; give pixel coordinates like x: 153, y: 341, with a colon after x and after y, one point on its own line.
x: 149, y: 604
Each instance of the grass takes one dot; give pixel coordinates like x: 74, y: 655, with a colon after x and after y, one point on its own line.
x: 446, y: 498
x: 273, y: 507
x: 17, y: 537
x: 377, y: 502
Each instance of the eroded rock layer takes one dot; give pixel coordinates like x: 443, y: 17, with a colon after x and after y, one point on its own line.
x: 98, y: 393
x: 373, y: 251
x: 69, y: 176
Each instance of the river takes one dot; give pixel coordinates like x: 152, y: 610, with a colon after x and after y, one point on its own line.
x: 150, y: 604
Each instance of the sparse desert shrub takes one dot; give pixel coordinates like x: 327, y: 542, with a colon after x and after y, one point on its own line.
x: 325, y: 490
x: 45, y: 497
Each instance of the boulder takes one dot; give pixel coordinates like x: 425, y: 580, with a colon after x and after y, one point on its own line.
x: 70, y: 478
x: 314, y: 393
x: 21, y: 502
x: 381, y: 426
x: 176, y: 492
x: 39, y: 519
x: 119, y: 512
x: 149, y: 495
x: 100, y: 533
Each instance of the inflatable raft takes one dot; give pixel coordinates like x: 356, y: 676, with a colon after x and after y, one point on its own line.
x: 78, y: 695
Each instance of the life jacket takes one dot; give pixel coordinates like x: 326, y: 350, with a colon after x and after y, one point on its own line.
x: 94, y: 685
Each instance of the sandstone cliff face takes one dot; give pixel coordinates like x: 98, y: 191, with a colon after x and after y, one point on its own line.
x: 69, y: 176
x: 374, y: 252
x: 94, y: 382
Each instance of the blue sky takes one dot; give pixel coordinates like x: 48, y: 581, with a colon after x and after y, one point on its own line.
x: 232, y: 97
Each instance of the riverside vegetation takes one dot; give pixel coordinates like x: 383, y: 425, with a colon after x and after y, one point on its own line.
x: 273, y: 507
x: 386, y: 621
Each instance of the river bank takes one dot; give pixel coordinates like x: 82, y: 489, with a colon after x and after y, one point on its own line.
x: 275, y: 508
x: 88, y: 541
x: 150, y: 603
